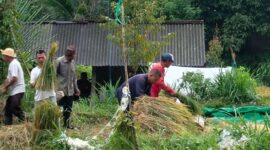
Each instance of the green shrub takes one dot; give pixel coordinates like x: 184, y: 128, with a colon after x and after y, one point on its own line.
x: 107, y: 91
x: 196, y: 85
x: 233, y: 86
x: 83, y: 68
x: 237, y: 86
x: 214, y: 54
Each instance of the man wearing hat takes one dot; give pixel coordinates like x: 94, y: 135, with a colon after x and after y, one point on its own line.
x: 15, y: 84
x: 166, y: 61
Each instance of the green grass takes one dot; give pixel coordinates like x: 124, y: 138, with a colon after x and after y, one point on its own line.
x: 175, y: 142
x: 94, y: 112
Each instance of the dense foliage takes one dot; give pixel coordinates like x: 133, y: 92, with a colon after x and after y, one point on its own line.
x: 236, y: 19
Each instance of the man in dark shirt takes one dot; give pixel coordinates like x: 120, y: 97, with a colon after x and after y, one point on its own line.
x: 139, y: 85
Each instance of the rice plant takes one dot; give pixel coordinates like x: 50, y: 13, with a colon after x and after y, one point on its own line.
x: 124, y: 136
x: 46, y: 122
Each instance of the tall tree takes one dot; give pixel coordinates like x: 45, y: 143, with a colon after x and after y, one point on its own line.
x: 237, y: 19
x: 140, y: 25
x: 79, y: 10
x: 177, y: 9
x: 8, y: 29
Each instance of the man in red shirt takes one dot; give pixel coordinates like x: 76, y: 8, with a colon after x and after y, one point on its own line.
x: 166, y: 61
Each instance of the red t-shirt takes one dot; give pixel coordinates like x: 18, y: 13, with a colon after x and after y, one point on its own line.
x: 156, y: 87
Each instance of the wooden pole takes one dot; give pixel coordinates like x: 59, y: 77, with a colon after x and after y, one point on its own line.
x: 125, y: 54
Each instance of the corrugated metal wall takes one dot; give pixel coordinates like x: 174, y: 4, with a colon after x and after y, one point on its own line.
x: 93, y: 47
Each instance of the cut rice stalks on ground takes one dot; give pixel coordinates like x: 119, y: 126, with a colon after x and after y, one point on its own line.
x: 2, y: 106
x: 15, y: 137
x: 192, y: 104
x: 163, y: 113
x: 263, y: 91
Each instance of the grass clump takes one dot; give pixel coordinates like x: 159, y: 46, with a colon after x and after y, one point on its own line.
x: 124, y: 135
x: 46, y: 126
x: 262, y: 72
x: 163, y: 113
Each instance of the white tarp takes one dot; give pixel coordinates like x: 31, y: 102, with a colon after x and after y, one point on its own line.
x: 173, y: 74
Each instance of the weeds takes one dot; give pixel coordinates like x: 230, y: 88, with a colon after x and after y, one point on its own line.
x: 28, y: 99
x: 236, y: 86
x: 107, y: 91
x: 93, y: 113
x: 262, y: 73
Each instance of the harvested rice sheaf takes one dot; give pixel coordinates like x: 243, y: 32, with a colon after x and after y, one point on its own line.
x: 163, y: 113
x: 46, y: 81
x: 263, y: 91
x: 46, y: 122
x: 47, y: 116
x: 124, y: 136
x: 15, y: 137
x: 192, y: 105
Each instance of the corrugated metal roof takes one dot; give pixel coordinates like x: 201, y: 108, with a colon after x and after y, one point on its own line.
x: 93, y: 47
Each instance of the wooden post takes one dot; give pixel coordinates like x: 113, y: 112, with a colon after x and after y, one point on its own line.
x: 93, y: 84
x: 125, y: 54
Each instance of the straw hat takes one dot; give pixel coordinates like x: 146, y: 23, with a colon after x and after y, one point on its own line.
x: 8, y: 52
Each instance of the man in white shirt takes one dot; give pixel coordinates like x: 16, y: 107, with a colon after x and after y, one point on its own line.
x: 15, y: 84
x: 35, y: 73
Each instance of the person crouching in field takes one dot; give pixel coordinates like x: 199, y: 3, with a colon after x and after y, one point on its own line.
x: 35, y: 73
x: 166, y: 61
x: 139, y: 85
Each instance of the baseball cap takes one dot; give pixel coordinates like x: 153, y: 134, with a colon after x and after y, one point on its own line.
x: 8, y: 52
x: 167, y: 57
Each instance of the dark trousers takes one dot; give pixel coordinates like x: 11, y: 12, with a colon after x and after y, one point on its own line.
x: 66, y: 102
x: 13, y: 107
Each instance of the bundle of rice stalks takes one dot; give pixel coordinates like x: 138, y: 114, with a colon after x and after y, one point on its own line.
x: 263, y: 91
x: 124, y: 135
x: 162, y: 113
x: 192, y: 105
x: 15, y: 137
x: 47, y: 78
x: 47, y: 116
x: 46, y: 121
